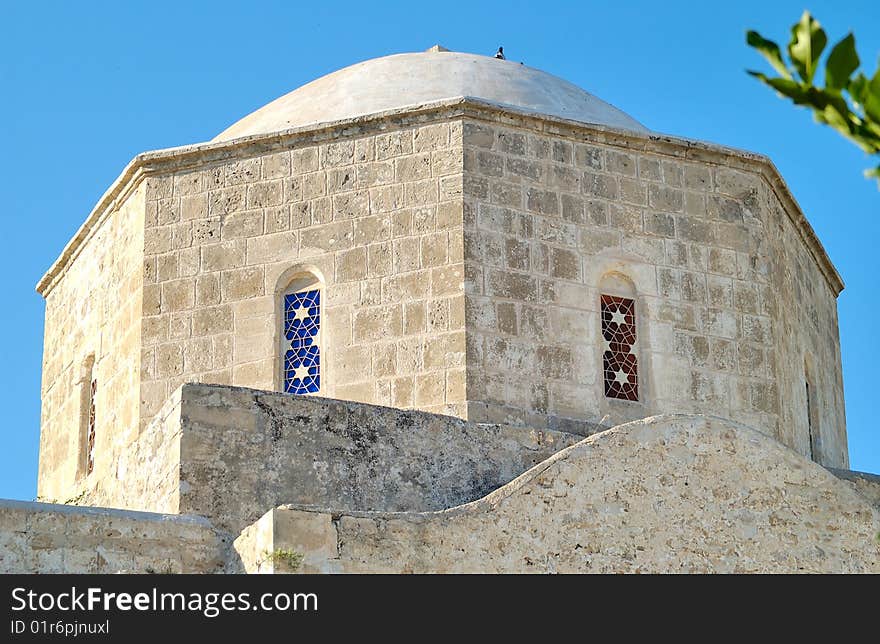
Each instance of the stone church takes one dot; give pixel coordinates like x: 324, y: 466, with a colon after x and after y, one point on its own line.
x: 442, y: 312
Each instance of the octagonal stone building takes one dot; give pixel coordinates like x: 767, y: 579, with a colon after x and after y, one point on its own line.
x: 451, y: 233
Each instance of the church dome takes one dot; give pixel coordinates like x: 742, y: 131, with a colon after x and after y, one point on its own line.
x: 407, y: 80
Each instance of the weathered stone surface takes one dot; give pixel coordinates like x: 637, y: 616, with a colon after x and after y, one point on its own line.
x: 690, y: 494
x: 662, y: 495
x: 45, y: 538
x: 685, y: 236
x: 461, y: 251
x: 868, y: 485
x: 95, y: 315
x: 197, y: 457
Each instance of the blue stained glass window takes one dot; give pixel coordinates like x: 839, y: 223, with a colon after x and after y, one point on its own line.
x: 302, y: 353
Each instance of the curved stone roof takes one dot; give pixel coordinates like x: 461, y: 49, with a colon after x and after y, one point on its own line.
x: 407, y: 80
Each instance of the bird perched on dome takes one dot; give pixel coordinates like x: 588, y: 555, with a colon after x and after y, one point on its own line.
x: 500, y: 53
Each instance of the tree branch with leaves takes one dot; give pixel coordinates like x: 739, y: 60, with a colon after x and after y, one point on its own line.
x: 850, y: 104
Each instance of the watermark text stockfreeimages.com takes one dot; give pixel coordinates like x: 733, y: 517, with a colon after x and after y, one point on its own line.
x: 208, y: 604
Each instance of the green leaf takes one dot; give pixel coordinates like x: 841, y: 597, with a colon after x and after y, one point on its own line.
x: 784, y: 86
x: 808, y: 39
x: 857, y: 88
x: 865, y: 140
x: 866, y: 95
x: 769, y: 50
x: 871, y: 97
x: 821, y: 98
x: 872, y: 130
x: 842, y: 62
x: 833, y: 117
x: 855, y: 116
x: 865, y: 133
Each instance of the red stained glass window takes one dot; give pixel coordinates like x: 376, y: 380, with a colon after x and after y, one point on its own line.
x: 619, y: 362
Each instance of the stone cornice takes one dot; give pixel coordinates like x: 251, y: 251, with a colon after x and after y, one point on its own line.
x: 198, y: 155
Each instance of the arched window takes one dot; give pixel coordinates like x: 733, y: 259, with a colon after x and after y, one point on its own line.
x: 301, y: 336
x: 88, y: 417
x: 620, y: 368
x: 90, y: 461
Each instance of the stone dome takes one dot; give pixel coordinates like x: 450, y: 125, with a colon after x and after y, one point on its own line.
x: 408, y: 80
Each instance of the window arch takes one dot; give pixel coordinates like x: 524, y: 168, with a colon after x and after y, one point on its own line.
x: 300, y: 341
x: 88, y: 417
x: 620, y: 364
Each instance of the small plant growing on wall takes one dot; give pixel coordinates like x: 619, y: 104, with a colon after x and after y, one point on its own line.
x: 76, y: 499
x: 284, y: 557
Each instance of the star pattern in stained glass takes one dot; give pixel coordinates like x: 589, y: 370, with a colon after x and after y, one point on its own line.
x: 619, y: 362
x: 302, y: 357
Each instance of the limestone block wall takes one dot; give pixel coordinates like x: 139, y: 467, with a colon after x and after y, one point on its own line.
x: 331, y: 453
x: 729, y: 301
x: 374, y: 211
x: 93, y: 316
x: 461, y: 251
x: 147, y: 472
x: 805, y: 341
x: 45, y: 538
x: 229, y: 454
x: 314, y: 540
x: 667, y: 494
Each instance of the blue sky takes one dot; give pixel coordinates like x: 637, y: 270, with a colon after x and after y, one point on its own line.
x: 88, y: 85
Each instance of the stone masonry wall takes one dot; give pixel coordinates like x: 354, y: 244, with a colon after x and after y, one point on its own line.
x: 868, y: 485
x: 728, y: 298
x: 147, y: 473
x: 805, y: 341
x: 93, y: 309
x: 229, y: 454
x: 377, y: 215
x: 180, y: 280
x: 668, y: 494
x: 243, y: 452
x: 45, y: 538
